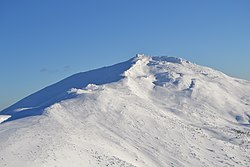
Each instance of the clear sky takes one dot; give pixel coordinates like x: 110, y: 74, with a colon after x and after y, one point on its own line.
x: 43, y: 41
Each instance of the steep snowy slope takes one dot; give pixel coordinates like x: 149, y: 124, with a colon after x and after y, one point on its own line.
x: 146, y: 112
x: 35, y: 103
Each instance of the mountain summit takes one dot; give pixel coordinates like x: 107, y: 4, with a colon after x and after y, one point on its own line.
x: 145, y: 112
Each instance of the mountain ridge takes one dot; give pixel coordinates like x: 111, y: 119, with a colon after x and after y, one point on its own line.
x: 60, y: 88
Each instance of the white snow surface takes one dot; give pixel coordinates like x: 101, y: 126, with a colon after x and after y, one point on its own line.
x: 159, y: 112
x: 4, y: 117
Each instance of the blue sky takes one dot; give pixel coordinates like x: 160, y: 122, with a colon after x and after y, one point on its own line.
x: 44, y: 41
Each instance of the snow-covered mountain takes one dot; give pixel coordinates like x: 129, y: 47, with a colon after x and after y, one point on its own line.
x: 145, y: 112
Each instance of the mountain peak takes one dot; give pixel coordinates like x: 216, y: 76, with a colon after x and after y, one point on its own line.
x: 155, y: 71
x: 169, y: 59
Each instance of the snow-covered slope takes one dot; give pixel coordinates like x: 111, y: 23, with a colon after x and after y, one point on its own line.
x: 146, y: 112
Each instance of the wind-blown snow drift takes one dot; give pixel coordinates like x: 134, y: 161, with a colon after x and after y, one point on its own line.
x: 148, y: 111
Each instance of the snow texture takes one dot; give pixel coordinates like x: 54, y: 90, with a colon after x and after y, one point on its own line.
x: 145, y: 112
